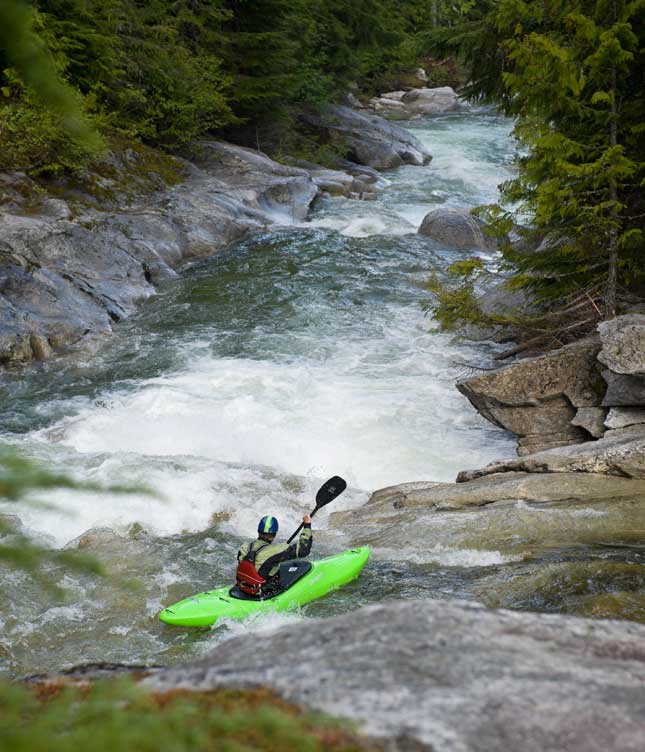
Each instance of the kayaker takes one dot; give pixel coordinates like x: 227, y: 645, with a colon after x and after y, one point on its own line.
x: 265, y: 556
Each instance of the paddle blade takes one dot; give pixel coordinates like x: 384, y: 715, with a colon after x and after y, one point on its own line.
x: 330, y: 490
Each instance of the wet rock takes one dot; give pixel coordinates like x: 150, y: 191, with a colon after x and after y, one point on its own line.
x: 342, y: 183
x: 537, y: 398
x: 623, y: 344
x: 621, y: 417
x: 592, y: 419
x: 449, y: 676
x: 456, y: 228
x: 369, y: 139
x: 390, y: 106
x: 620, y: 453
x: 86, y: 672
x: 623, y: 389
x: 431, y: 101
x: 504, y: 486
x: 94, y: 538
x: 10, y: 523
x: 364, y: 174
x: 261, y: 182
x: 351, y: 100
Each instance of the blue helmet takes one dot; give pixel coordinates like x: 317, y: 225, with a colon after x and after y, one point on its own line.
x: 268, y: 524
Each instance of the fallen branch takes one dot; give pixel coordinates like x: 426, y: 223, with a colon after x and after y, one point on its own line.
x: 528, y: 344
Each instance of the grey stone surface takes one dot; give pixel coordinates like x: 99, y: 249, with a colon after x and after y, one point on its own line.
x: 623, y: 389
x: 619, y: 453
x: 396, y: 95
x: 537, y: 398
x: 592, y: 419
x: 623, y: 344
x: 65, y: 276
x: 621, y: 417
x: 449, y: 676
x: 507, y: 486
x: 435, y: 101
x: 370, y: 139
x: 456, y: 228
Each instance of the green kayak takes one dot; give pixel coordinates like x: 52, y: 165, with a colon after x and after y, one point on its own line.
x: 305, y: 581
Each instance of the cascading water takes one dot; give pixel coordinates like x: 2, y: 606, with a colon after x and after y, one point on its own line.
x: 295, y: 355
x: 303, y: 352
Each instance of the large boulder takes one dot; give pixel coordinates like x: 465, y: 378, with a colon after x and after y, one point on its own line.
x: 623, y: 344
x: 369, y: 139
x: 256, y: 179
x: 431, y: 101
x: 538, y: 398
x: 456, y: 228
x: 619, y: 452
x: 448, y: 676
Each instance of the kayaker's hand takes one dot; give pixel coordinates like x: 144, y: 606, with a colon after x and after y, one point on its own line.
x: 307, y: 519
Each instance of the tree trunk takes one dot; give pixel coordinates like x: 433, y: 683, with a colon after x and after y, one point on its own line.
x: 434, y: 13
x: 612, y: 271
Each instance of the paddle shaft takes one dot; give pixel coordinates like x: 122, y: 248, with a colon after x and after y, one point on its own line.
x: 300, y: 526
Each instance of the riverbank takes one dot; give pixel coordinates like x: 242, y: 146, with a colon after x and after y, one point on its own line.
x: 79, y: 254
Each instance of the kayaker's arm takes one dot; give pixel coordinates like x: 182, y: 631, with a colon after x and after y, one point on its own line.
x: 303, y: 547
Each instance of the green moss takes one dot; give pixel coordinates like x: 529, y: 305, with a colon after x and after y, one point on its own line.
x: 120, y: 715
x: 131, y: 170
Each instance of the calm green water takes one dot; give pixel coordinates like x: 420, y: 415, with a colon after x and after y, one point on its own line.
x: 298, y: 354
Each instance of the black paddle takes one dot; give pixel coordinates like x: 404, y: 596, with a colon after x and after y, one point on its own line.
x: 327, y: 492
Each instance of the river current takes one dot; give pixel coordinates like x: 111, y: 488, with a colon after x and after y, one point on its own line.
x: 300, y: 353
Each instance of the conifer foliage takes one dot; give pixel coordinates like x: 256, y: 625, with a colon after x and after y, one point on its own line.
x: 168, y: 71
x: 571, y: 73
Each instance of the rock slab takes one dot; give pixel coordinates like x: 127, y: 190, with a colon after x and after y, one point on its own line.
x: 449, y: 676
x: 537, y: 399
x: 619, y: 452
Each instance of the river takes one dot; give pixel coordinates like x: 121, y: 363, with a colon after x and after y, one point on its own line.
x: 297, y: 354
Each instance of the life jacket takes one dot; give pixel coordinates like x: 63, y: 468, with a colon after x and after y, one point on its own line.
x: 247, y: 577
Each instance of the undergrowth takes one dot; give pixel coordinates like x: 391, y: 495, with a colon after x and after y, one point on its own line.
x: 120, y: 715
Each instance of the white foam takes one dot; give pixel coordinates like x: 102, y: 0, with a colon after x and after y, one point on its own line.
x: 449, y: 557
x: 364, y: 225
x: 257, y: 623
x: 122, y: 631
x: 62, y: 613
